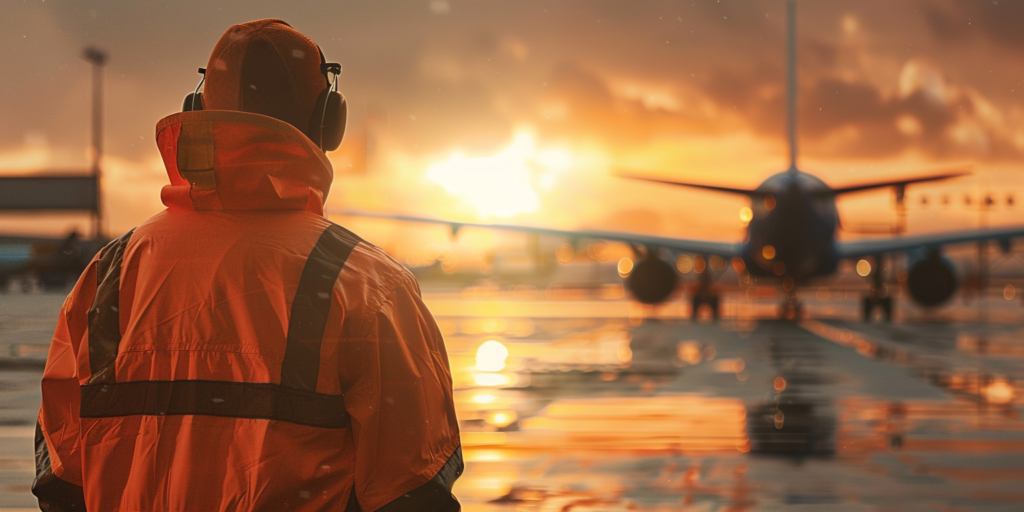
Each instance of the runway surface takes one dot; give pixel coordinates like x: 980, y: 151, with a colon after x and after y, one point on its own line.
x: 588, y: 404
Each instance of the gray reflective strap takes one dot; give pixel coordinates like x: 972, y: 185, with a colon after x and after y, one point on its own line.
x: 104, y: 315
x: 311, y: 305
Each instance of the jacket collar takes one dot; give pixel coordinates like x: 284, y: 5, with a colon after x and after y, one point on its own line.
x: 229, y: 160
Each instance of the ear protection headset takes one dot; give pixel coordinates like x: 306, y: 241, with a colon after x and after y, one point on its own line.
x: 194, y: 100
x: 327, y: 123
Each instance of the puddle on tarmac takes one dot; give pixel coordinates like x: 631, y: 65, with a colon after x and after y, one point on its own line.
x: 595, y: 414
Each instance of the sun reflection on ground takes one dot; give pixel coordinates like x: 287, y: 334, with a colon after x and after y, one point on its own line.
x: 491, y: 355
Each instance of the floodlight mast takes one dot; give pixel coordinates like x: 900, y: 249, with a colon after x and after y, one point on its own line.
x: 98, y: 59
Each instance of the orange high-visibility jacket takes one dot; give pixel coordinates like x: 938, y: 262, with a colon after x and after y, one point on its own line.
x: 239, y: 352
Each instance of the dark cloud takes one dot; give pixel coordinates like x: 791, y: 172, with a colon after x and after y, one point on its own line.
x: 465, y: 78
x: 1000, y: 21
x: 875, y: 124
x: 627, y: 75
x: 838, y: 118
x: 833, y: 105
x: 592, y: 110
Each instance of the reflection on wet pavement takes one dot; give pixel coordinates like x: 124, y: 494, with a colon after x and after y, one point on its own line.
x: 742, y: 415
x: 587, y: 405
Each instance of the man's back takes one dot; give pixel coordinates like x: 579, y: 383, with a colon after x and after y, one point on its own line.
x: 240, y: 352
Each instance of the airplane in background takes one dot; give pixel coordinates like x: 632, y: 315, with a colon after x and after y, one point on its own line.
x: 791, y: 237
x: 49, y: 261
x: 52, y: 262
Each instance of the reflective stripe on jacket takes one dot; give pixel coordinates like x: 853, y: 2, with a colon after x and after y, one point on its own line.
x: 239, y: 352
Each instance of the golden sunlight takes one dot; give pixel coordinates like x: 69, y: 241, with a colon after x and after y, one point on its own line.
x: 491, y: 355
x: 998, y: 392
x: 746, y: 215
x: 504, y: 184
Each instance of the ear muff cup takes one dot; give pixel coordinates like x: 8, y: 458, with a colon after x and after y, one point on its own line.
x: 194, y: 101
x: 334, y: 117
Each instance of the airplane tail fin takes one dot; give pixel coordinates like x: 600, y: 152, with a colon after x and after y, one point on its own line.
x: 791, y: 82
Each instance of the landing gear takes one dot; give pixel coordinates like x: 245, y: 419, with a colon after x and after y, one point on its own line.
x: 792, y: 309
x: 872, y: 301
x: 704, y: 295
x: 711, y: 300
x: 878, y: 296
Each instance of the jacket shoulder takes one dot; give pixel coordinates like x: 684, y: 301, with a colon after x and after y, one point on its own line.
x: 370, y: 272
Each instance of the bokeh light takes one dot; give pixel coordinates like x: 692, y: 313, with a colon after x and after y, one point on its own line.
x: 491, y: 355
x: 863, y: 268
x: 684, y: 264
x: 746, y: 214
x: 625, y: 266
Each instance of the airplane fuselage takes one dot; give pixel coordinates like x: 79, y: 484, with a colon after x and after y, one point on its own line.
x: 792, y: 232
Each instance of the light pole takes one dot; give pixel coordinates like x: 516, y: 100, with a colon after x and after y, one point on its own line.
x: 97, y: 58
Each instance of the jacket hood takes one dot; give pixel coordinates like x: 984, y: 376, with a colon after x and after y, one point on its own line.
x: 230, y: 160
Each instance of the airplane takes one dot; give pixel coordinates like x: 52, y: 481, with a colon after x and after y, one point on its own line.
x: 52, y: 262
x: 791, y: 237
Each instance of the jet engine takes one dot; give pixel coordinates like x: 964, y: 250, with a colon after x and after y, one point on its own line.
x: 652, y: 280
x: 931, y: 280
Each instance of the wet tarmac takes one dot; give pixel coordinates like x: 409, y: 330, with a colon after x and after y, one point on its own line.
x: 578, y: 403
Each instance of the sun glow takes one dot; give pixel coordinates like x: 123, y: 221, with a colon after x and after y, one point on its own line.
x: 746, y: 214
x: 491, y: 355
x: 505, y: 184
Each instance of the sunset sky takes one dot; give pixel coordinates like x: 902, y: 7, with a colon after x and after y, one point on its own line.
x: 520, y: 111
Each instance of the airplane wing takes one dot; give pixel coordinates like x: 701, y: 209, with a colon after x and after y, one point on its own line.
x: 716, y: 188
x: 705, y: 247
x: 874, y: 247
x: 954, y: 172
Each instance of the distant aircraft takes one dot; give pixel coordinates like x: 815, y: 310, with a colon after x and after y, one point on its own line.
x: 790, y: 238
x: 52, y: 262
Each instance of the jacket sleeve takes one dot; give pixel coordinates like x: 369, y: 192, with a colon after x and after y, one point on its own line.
x: 58, y: 481
x: 406, y: 435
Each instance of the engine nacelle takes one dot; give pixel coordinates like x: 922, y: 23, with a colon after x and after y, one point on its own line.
x: 652, y: 280
x: 931, y: 280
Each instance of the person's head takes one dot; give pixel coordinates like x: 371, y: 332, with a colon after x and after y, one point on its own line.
x: 267, y: 67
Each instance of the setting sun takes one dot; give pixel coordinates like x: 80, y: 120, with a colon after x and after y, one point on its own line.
x: 504, y: 184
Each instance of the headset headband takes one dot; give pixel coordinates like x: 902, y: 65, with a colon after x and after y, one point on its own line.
x: 331, y: 105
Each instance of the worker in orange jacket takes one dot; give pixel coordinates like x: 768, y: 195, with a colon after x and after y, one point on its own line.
x: 238, y: 351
